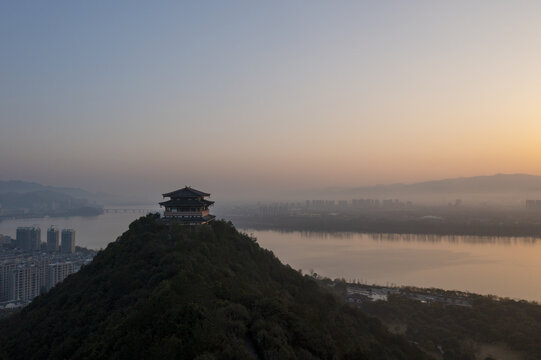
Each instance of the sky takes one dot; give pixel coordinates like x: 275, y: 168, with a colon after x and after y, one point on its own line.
x: 249, y: 99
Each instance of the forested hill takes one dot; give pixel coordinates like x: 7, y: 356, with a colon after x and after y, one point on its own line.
x: 193, y: 293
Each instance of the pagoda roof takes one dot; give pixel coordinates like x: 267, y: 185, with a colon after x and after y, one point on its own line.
x: 186, y: 192
x: 187, y: 202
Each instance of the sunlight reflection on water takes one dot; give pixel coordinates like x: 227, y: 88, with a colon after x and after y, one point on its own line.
x: 502, y: 266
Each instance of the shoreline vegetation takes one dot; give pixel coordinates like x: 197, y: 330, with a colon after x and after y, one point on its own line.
x: 389, y: 226
x: 450, y: 324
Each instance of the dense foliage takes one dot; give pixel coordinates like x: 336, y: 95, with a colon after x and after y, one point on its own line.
x: 205, y: 292
x: 459, y: 330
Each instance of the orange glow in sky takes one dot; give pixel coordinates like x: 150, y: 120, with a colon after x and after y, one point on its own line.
x: 261, y: 98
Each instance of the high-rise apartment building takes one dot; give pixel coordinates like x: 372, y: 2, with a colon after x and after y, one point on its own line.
x: 53, y: 237
x: 58, y: 272
x: 29, y: 238
x: 6, y: 268
x: 68, y: 241
x: 25, y: 282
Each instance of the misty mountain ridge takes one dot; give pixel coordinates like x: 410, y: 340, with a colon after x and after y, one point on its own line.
x: 476, y: 184
x: 498, y: 187
x: 23, y: 187
x: 13, y: 200
x: 44, y: 203
x: 20, y: 186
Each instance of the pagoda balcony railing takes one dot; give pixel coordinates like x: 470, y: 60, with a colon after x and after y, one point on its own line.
x: 186, y: 213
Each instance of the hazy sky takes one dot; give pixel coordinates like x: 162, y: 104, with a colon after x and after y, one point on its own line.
x: 244, y: 97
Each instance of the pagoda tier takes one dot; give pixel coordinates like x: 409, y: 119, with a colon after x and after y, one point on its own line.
x: 187, y: 206
x: 187, y: 203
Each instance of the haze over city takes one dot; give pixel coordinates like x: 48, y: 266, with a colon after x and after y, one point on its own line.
x: 252, y: 100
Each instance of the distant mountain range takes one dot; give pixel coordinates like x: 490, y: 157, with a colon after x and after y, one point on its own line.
x: 499, y: 183
x: 26, y: 199
x: 508, y: 188
x: 21, y: 187
x: 25, y: 187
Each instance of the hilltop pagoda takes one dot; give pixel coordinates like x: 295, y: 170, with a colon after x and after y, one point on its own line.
x: 187, y: 206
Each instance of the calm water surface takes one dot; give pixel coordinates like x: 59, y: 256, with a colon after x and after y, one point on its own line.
x: 507, y: 267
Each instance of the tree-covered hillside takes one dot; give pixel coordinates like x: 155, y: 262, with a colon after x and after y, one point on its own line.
x: 207, y: 292
x: 461, y: 331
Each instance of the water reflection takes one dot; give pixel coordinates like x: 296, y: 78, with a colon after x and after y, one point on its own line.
x: 503, y: 266
x: 456, y: 239
x: 468, y: 239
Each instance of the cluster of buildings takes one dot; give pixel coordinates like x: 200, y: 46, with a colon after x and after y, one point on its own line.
x: 358, y: 204
x: 533, y: 204
x: 365, y: 203
x: 342, y: 206
x: 357, y: 294
x: 5, y: 240
x: 29, y: 267
x: 360, y: 294
x: 29, y: 239
x: 279, y: 209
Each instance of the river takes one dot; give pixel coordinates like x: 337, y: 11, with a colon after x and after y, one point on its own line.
x: 508, y: 267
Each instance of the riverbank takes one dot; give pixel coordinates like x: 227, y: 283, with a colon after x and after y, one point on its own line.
x: 363, y: 224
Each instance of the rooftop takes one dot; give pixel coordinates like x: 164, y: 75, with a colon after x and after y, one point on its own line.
x: 186, y: 192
